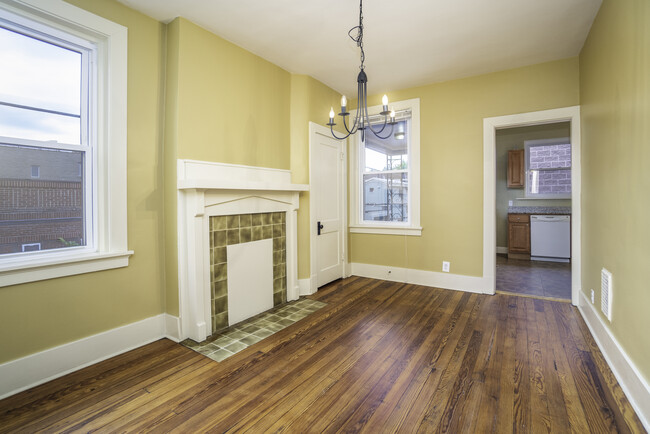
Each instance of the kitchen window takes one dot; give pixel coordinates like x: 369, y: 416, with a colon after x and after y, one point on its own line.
x: 386, y: 197
x: 548, y: 169
x: 62, y: 142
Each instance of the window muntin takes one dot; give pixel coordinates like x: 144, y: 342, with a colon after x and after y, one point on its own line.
x: 44, y: 123
x: 548, y: 169
x: 385, y: 175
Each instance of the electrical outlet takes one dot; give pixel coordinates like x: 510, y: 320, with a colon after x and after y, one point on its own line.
x: 445, y: 266
x: 593, y: 300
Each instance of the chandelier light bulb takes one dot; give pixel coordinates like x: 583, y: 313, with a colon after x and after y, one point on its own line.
x: 332, y: 113
x: 384, y: 100
x: 344, y: 101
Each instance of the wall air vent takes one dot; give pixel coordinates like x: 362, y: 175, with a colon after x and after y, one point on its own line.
x: 606, y: 293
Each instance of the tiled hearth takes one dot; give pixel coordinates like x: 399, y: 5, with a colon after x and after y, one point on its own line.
x: 240, y: 336
x: 238, y: 229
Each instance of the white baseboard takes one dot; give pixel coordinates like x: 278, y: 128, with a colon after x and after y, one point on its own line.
x: 29, y: 371
x: 307, y: 286
x: 172, y: 327
x: 632, y: 382
x: 503, y: 250
x: 421, y: 277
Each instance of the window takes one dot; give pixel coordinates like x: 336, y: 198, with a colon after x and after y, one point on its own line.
x: 548, y: 168
x: 386, y: 198
x: 62, y: 142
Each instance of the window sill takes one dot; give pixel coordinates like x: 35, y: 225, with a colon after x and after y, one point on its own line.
x: 23, y: 271
x: 386, y: 230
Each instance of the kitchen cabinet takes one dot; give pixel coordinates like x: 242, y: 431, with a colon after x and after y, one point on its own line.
x: 516, y: 169
x: 519, y: 236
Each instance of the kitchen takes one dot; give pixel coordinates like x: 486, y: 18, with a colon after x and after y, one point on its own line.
x: 533, y: 211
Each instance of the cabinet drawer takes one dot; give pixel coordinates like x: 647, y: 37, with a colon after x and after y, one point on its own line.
x: 518, y: 218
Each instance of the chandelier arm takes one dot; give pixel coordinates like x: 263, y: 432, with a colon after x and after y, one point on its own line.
x: 337, y: 137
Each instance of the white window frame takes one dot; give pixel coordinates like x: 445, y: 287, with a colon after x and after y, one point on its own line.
x: 544, y: 142
x: 109, y: 247
x: 412, y: 226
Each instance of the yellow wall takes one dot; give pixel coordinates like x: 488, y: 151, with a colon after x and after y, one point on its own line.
x: 513, y: 138
x: 40, y: 315
x: 615, y: 115
x: 451, y: 163
x: 310, y: 102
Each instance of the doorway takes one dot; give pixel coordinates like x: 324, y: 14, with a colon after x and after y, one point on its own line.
x: 533, y: 210
x: 570, y: 115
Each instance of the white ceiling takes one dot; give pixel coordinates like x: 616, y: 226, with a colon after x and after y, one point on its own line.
x: 407, y: 43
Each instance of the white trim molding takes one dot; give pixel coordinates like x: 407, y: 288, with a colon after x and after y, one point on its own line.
x: 29, y: 371
x: 634, y: 385
x: 207, y: 189
x: 490, y: 125
x: 412, y: 227
x: 435, y: 279
x: 307, y: 286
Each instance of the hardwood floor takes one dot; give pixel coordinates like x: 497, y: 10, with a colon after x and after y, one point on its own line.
x: 380, y: 357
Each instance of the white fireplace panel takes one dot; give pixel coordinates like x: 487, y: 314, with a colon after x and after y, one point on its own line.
x: 250, y: 279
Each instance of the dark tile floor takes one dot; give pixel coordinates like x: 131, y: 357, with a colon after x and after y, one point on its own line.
x: 535, y: 278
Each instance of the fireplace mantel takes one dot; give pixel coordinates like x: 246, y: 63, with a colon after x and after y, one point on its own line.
x: 208, y: 189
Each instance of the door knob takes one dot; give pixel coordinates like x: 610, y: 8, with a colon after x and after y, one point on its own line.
x: 319, y: 226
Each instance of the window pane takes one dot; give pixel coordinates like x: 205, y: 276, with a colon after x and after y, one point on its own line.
x: 385, y: 197
x: 40, y: 213
x: 550, y: 156
x: 387, y: 154
x: 33, y: 125
x: 39, y: 74
x: 549, y: 181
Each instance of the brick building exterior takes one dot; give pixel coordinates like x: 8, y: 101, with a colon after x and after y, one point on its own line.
x: 37, y: 213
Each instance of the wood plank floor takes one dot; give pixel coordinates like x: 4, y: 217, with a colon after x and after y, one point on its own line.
x: 380, y: 357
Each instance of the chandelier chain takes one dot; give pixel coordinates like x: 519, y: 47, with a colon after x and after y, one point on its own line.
x: 359, y: 36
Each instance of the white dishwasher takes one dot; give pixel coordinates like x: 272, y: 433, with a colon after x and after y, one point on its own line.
x: 550, y: 238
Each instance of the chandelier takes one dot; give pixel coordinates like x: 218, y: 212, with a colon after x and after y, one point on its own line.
x: 362, y: 119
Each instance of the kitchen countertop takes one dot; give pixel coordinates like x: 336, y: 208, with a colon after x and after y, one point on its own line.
x: 539, y: 210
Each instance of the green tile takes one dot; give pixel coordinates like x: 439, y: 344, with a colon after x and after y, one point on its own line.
x: 245, y: 220
x: 219, y: 255
x: 286, y: 322
x: 263, y: 333
x: 233, y: 236
x: 223, y: 341
x: 236, y: 347
x: 233, y: 221
x: 284, y: 217
x: 220, y: 272
x: 284, y: 229
x: 277, y: 257
x: 267, y: 232
x: 277, y: 285
x: 267, y: 218
x: 256, y: 220
x: 275, y: 327
x: 250, y: 328
x: 220, y: 355
x: 284, y: 256
x: 277, y: 231
x: 218, y: 239
x: 219, y: 321
x: 277, y: 298
x: 277, y: 244
x: 220, y: 304
x: 236, y: 335
x: 277, y: 217
x: 218, y: 223
x: 219, y: 289
x: 250, y: 340
x: 245, y: 235
x: 256, y: 233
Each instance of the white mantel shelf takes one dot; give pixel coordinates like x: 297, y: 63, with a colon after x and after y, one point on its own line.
x: 208, y: 184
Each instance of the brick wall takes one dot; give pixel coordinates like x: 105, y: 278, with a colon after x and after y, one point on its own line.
x: 552, y: 157
x: 33, y: 211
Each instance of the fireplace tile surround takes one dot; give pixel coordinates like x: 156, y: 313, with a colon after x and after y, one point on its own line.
x: 244, y: 228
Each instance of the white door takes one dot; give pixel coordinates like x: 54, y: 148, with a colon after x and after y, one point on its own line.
x: 327, y: 203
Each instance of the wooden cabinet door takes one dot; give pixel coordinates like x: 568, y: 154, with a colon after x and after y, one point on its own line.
x: 519, y: 237
x: 516, y: 169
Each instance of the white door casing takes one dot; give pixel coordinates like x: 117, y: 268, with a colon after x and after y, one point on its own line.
x: 327, y: 160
